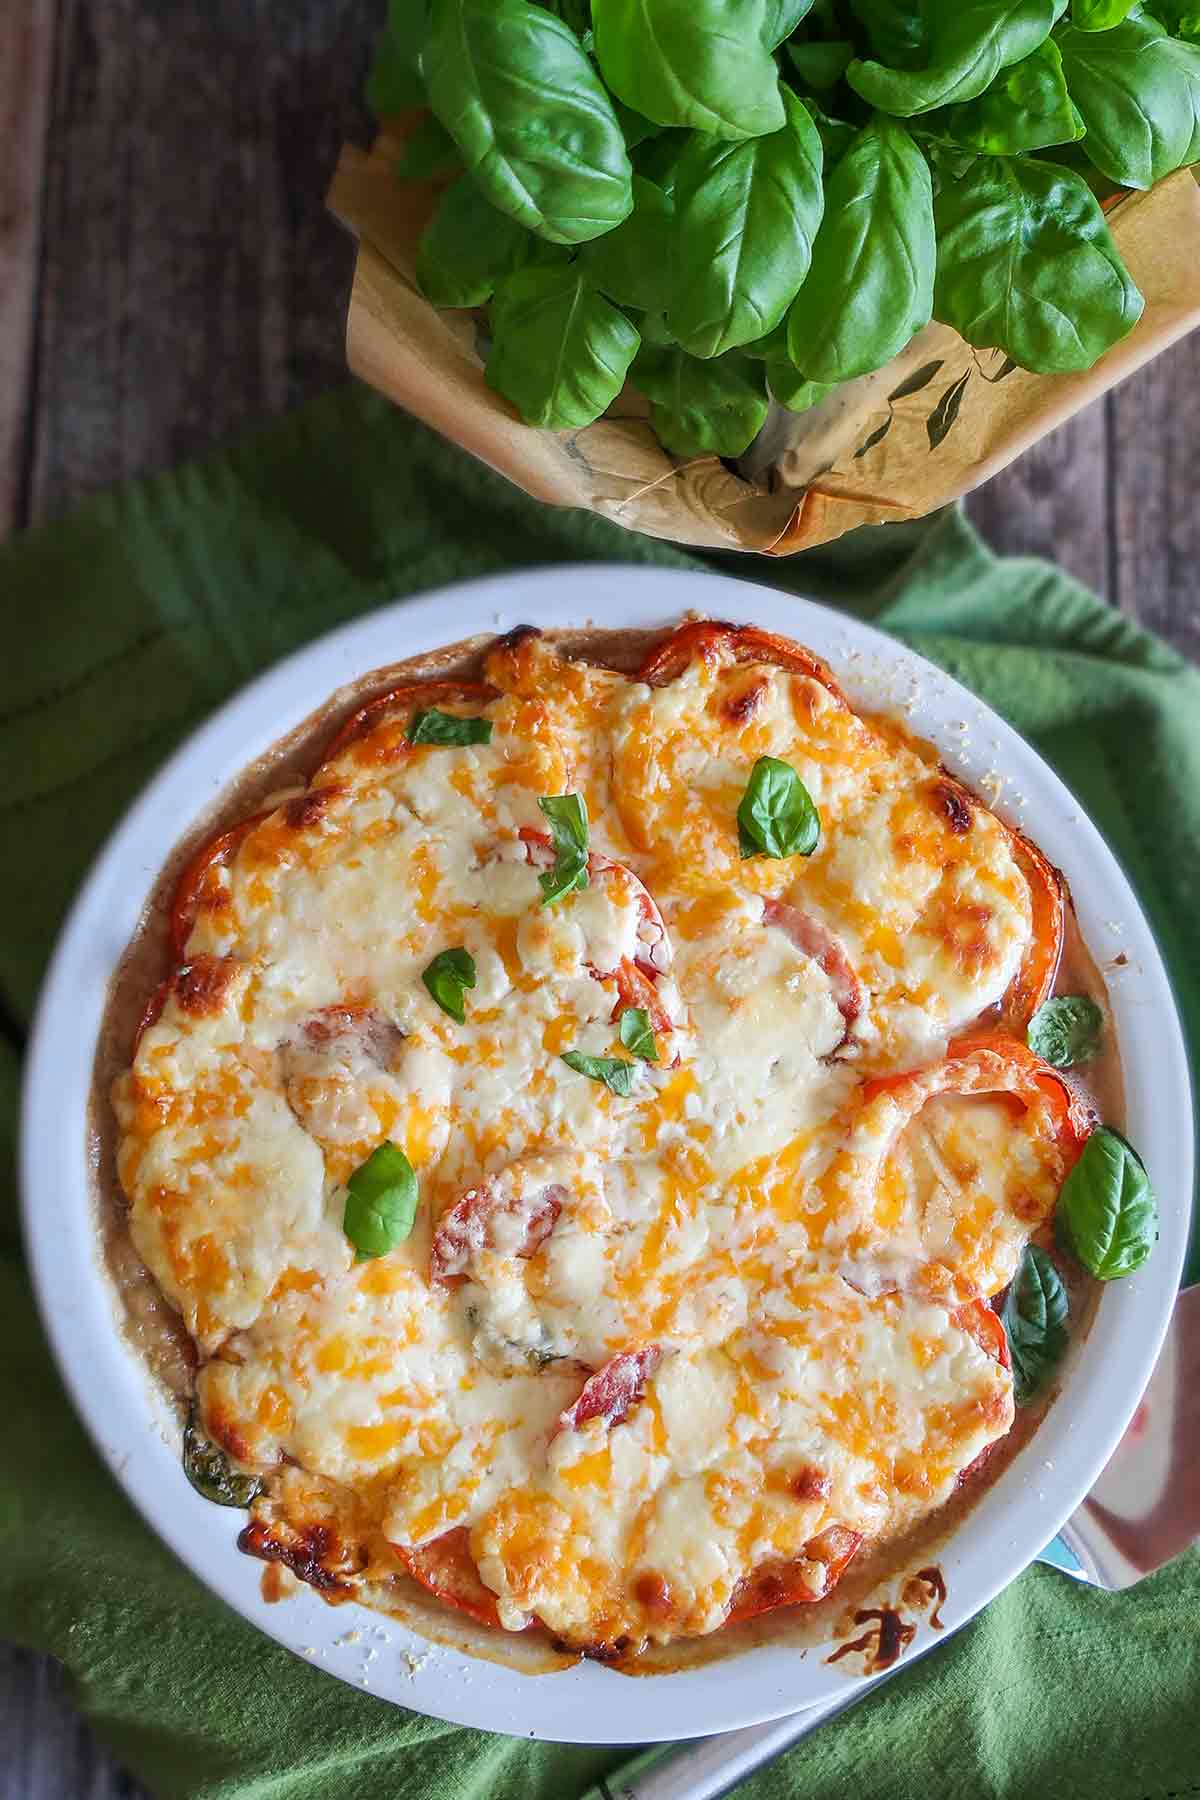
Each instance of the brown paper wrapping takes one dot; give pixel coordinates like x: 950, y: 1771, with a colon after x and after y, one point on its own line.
x: 937, y: 421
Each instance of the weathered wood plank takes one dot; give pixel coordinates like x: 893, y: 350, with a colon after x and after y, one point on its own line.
x: 26, y: 56
x: 46, y: 1750
x: 1154, y: 446
x: 1052, y: 501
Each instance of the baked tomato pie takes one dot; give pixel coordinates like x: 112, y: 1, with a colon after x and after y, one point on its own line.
x: 587, y: 1130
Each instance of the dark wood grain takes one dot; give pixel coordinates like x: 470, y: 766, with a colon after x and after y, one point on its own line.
x: 186, y: 283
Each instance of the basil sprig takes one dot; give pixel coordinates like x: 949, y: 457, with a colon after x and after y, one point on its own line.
x: 434, y: 727
x: 448, y: 977
x: 1066, y: 1030
x: 568, y: 818
x: 1106, y: 1211
x: 613, y: 1071
x: 637, y: 1033
x: 381, y: 1202
x: 777, y: 816
x: 212, y: 1474
x: 1035, y: 1323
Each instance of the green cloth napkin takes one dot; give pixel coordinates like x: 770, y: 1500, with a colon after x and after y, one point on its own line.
x: 126, y: 625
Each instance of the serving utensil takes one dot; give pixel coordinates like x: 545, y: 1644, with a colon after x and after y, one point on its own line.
x: 1143, y: 1510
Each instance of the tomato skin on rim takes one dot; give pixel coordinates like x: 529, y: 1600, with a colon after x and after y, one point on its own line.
x: 777, y: 1585
x: 415, y: 693
x: 447, y: 1569
x: 215, y: 853
x: 978, y: 1320
x: 709, y: 641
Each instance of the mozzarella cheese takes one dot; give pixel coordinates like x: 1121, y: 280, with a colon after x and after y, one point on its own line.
x: 639, y: 1347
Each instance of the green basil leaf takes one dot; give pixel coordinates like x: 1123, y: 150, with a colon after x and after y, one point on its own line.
x: 870, y: 287
x: 1027, y: 107
x: 632, y: 264
x: 560, y: 350
x: 835, y: 134
x: 575, y: 13
x: 655, y: 332
x: 894, y: 29
x: 568, y: 818
x: 637, y: 1033
x: 1035, y: 1323
x: 1181, y: 18
x: 713, y: 408
x: 1026, y: 265
x: 448, y: 977
x: 427, y: 151
x: 746, y: 215
x: 434, y: 727
x: 1106, y: 1212
x: 792, y: 389
x: 1100, y: 15
x: 780, y: 19
x: 513, y: 87
x: 394, y: 83
x: 769, y: 347
x: 381, y: 1202
x: 658, y: 158
x: 1066, y: 1030
x: 1139, y: 93
x: 467, y: 247
x: 613, y: 1071
x: 691, y: 62
x: 634, y: 128
x: 212, y: 1474
x: 821, y: 65
x: 969, y: 42
x: 776, y: 816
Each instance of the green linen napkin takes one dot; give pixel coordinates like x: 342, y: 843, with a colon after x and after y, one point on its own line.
x: 127, y: 624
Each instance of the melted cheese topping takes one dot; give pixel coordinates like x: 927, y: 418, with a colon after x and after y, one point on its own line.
x: 639, y: 1347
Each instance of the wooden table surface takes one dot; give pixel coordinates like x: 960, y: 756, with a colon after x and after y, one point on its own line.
x: 168, y: 279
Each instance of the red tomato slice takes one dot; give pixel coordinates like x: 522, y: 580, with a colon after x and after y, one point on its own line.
x: 978, y: 1320
x: 782, y: 1584
x: 446, y: 1567
x: 412, y: 693
x: 217, y: 853
x: 819, y: 943
x: 712, y: 640
x: 465, y: 1228
x: 613, y: 1391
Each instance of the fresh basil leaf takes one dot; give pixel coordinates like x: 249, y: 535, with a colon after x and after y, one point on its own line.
x: 575, y: 13
x: 467, y: 247
x: 637, y: 1033
x: 835, y: 134
x: 381, y: 1202
x: 1106, y: 1211
x: 776, y: 816
x: 1035, y: 1323
x: 1026, y: 265
x: 655, y: 332
x: 1027, y: 107
x: 969, y: 42
x: 713, y: 408
x: 426, y: 152
x: 894, y: 30
x: 1181, y: 18
x: 1066, y: 1030
x: 792, y: 389
x: 770, y: 346
x: 448, y: 977
x: 560, y: 350
x: 613, y: 1071
x: 634, y: 128
x: 1101, y: 15
x: 212, y: 1474
x: 870, y: 287
x: 746, y: 215
x: 632, y: 264
x: 821, y: 65
x: 513, y: 87
x: 691, y: 62
x: 568, y: 818
x: 394, y: 83
x: 657, y: 158
x: 780, y: 19
x: 1138, y: 91
x: 433, y: 727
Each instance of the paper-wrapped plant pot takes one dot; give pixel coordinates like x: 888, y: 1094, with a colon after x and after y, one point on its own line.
x: 935, y: 422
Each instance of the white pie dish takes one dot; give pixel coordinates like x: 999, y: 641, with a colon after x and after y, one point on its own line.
x: 130, y: 1422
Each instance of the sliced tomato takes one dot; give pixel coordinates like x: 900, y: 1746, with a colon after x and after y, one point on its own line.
x: 991, y: 1062
x: 466, y: 1227
x: 978, y: 1320
x: 152, y: 1011
x: 446, y: 1567
x: 613, y: 1391
x: 216, y: 853
x: 819, y: 943
x: 415, y: 694
x: 712, y: 641
x: 783, y: 1584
